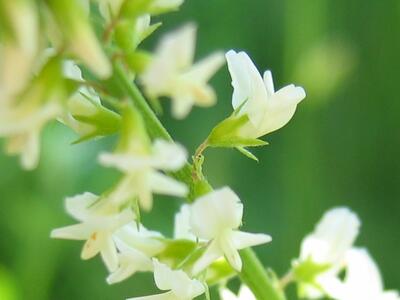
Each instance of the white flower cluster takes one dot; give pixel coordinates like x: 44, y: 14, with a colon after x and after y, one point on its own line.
x: 38, y: 84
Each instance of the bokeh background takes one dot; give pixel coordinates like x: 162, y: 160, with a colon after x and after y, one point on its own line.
x: 341, y: 148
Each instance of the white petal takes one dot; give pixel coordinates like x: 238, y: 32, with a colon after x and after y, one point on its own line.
x: 243, y: 240
x: 182, y: 229
x: 93, y: 245
x: 130, y: 262
x: 162, y: 184
x: 226, y: 294
x: 231, y: 253
x: 269, y: 82
x: 212, y: 253
x: 362, y: 275
x: 72, y: 232
x: 109, y: 254
x: 168, y: 156
x: 248, y: 85
x: 245, y: 293
x: 215, y: 212
x: 181, y: 106
x: 163, y: 275
x: 203, y: 70
x: 77, y: 206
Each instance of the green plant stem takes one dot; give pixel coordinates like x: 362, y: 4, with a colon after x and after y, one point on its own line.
x: 253, y: 273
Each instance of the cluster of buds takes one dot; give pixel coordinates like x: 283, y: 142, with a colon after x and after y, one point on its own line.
x: 55, y: 67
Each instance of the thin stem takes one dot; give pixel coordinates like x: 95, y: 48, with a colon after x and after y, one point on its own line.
x: 286, y: 279
x: 253, y: 273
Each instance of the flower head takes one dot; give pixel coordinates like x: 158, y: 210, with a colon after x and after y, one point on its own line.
x: 323, y: 252
x: 176, y: 282
x: 142, y: 169
x: 172, y: 74
x: 216, y: 217
x: 267, y: 109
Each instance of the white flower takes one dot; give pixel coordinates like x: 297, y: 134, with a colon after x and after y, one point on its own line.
x: 362, y: 280
x: 171, y: 72
x: 333, y: 236
x: 176, y: 282
x: 136, y: 248
x: 98, y: 223
x: 142, y: 175
x: 267, y: 110
x: 244, y: 294
x: 216, y: 217
x: 327, y: 246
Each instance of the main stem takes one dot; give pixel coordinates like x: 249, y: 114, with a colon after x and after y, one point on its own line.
x: 253, y: 273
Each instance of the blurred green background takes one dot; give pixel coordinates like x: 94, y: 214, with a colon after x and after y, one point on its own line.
x: 341, y: 148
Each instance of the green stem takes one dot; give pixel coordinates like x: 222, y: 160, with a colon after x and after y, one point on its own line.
x: 257, y: 279
x: 253, y: 273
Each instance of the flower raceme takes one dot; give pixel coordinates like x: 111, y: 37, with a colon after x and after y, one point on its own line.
x: 171, y: 73
x: 267, y: 109
x: 176, y: 282
x: 216, y: 217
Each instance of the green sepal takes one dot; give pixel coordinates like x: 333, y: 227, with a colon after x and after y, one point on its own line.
x: 138, y: 61
x: 306, y: 271
x: 227, y: 134
x: 134, y: 9
x: 247, y: 153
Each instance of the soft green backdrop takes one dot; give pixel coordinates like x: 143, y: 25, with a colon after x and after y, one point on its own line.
x: 341, y: 148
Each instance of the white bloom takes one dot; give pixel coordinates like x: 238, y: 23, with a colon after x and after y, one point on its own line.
x: 267, y: 110
x: 363, y: 280
x: 142, y: 175
x: 333, y: 236
x: 244, y: 294
x: 217, y: 217
x: 98, y: 222
x: 136, y: 248
x: 176, y: 282
x: 171, y: 72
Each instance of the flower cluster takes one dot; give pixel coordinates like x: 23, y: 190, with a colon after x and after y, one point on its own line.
x: 330, y: 250
x: 55, y: 67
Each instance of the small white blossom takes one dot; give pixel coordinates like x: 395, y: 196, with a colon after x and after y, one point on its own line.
x: 327, y: 246
x: 98, y: 223
x: 267, y: 109
x: 216, y: 217
x: 244, y: 294
x: 143, y: 177
x: 362, y: 281
x: 176, y: 282
x: 136, y: 248
x: 172, y: 74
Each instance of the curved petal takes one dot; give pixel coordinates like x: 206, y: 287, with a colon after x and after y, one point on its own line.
x: 109, y: 254
x: 78, y: 205
x: 231, y: 253
x: 168, y: 156
x: 162, y: 184
x: 164, y: 296
x: 243, y: 240
x: 72, y: 232
x: 215, y: 212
